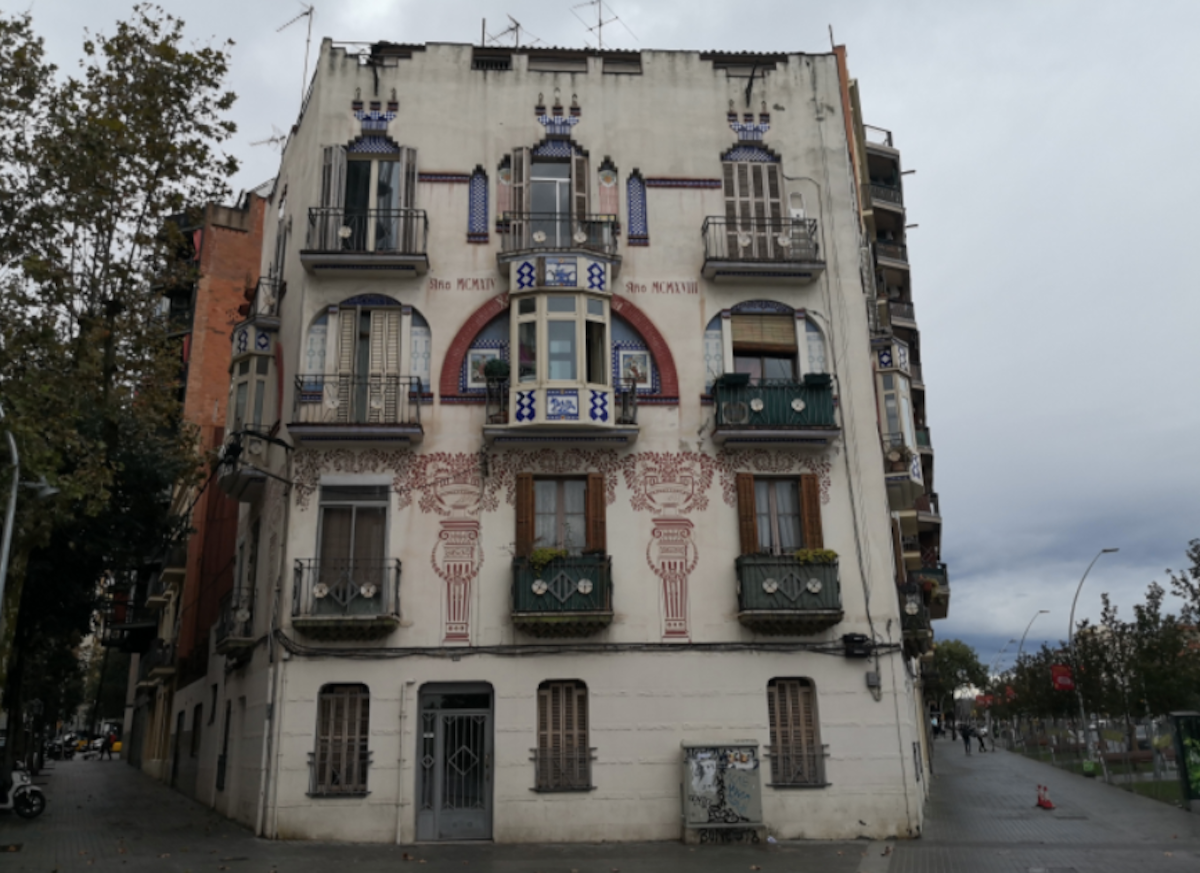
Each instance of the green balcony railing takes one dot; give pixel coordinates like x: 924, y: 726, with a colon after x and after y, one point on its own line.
x: 914, y: 622
x: 779, y: 595
x: 569, y: 596
x: 774, y: 403
x: 937, y: 580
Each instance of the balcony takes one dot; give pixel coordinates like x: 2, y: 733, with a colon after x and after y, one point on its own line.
x: 158, y: 662
x: 918, y: 377
x: 770, y: 412
x: 778, y: 250
x: 235, y: 623
x: 263, y: 309
x: 346, y: 598
x: 378, y: 242
x: 559, y: 250
x: 777, y: 594
x: 126, y: 626
x: 902, y: 315
x: 914, y: 623
x: 891, y: 254
x: 242, y: 458
x: 175, y: 564
x: 568, y: 597
x: 157, y: 593
x: 888, y: 196
x: 354, y: 410
x: 530, y: 414
x: 935, y: 581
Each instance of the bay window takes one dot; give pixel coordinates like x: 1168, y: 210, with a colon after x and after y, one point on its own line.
x: 550, y: 327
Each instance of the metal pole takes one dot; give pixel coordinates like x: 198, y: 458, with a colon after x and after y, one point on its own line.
x: 1020, y: 649
x: 8, y: 519
x: 1087, y: 737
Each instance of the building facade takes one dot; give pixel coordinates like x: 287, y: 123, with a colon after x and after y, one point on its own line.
x: 566, y: 493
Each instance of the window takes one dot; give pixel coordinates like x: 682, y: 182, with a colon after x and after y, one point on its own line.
x: 562, y: 759
x: 797, y: 757
x: 550, y: 202
x: 561, y: 514
x: 353, y: 530
x: 777, y: 516
x: 197, y: 715
x: 764, y: 346
x: 564, y: 320
x: 754, y: 217
x: 248, y: 394
x: 548, y: 197
x: 367, y: 200
x: 341, y: 758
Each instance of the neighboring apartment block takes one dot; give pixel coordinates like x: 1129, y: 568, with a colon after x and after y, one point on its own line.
x: 561, y: 432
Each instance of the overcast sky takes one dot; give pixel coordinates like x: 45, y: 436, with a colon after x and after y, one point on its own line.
x: 1053, y: 273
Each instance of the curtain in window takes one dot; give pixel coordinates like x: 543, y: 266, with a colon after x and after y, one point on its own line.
x: 816, y: 349
x: 762, y: 511
x: 787, y: 506
x: 545, y: 500
x: 574, y: 515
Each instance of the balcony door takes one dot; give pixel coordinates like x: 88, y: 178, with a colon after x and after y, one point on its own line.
x: 550, y: 203
x: 367, y: 199
x: 549, y: 200
x: 368, y: 373
x: 755, y: 222
x: 353, y: 544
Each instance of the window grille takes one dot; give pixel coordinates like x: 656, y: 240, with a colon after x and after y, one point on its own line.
x: 341, y: 759
x: 562, y: 759
x: 797, y: 756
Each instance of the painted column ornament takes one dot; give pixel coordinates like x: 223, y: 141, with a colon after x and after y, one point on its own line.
x: 455, y: 491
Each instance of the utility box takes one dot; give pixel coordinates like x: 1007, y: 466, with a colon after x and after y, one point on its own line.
x: 722, y: 793
x: 1187, y: 756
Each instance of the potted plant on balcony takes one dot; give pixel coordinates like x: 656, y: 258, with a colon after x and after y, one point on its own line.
x: 496, y: 370
x: 816, y: 556
x: 898, y: 457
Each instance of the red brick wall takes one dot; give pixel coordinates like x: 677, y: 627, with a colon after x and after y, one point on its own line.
x: 230, y: 255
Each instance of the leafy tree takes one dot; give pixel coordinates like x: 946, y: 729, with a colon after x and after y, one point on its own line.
x: 958, y: 667
x: 96, y: 168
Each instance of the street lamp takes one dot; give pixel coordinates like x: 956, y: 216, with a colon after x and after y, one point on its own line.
x: 999, y: 655
x: 1021, y: 647
x: 1071, y: 645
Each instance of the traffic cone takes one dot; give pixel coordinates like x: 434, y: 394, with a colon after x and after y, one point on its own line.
x: 1043, y: 799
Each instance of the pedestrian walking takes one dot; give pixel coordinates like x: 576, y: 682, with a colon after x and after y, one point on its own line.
x: 953, y: 730
x: 981, y: 733
x: 965, y: 730
x: 106, y: 747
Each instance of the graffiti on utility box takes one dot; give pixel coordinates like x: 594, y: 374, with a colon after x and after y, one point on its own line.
x: 722, y: 786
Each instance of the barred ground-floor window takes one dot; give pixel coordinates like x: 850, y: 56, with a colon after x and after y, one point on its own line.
x: 797, y: 756
x: 341, y: 758
x: 562, y: 759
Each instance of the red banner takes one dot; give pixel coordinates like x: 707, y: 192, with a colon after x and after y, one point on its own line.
x: 985, y: 700
x: 1060, y: 675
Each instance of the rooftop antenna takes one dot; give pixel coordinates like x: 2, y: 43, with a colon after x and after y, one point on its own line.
x: 598, y: 27
x: 275, y: 140
x: 307, y: 13
x: 514, y: 28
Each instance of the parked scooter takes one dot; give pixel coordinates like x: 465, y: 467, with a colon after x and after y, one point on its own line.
x: 24, y: 798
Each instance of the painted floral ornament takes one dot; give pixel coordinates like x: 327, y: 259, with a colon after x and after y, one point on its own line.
x: 813, y: 586
x: 584, y: 586
x: 368, y: 591
x: 798, y: 405
x: 320, y: 591
x: 539, y: 587
x: 770, y: 586
x: 756, y: 404
x: 539, y: 236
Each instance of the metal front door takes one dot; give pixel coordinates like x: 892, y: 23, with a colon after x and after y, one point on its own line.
x: 455, y: 758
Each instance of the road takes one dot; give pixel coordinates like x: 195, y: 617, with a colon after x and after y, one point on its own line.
x: 104, y: 816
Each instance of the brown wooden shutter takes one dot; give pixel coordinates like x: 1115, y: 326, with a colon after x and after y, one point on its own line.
x: 810, y: 510
x: 597, y: 527
x: 562, y: 736
x: 579, y: 187
x: 764, y: 333
x: 747, y: 518
x: 347, y: 338
x: 525, y: 510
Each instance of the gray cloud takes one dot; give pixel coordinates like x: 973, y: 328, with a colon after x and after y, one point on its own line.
x: 1052, y: 269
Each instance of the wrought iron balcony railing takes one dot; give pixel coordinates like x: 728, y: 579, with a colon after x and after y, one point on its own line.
x: 562, y: 769
x: 158, y: 661
x: 790, y: 767
x: 351, y: 399
x: 558, y: 231
x: 893, y: 251
x: 235, y: 621
x: 337, y: 588
x: 901, y: 310
x: 914, y: 617
x: 381, y: 231
x: 566, y: 597
x: 777, y: 594
x: 780, y: 240
x: 266, y: 299
x: 923, y: 438
x: 774, y: 403
x: 887, y: 193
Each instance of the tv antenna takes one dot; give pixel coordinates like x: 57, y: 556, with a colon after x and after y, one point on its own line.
x: 514, y: 28
x: 307, y: 13
x: 275, y: 140
x: 601, y: 23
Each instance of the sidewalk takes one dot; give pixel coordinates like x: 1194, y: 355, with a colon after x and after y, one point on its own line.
x: 982, y: 818
x: 105, y: 816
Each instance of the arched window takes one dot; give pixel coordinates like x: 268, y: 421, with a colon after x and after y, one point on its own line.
x: 341, y: 757
x: 797, y: 756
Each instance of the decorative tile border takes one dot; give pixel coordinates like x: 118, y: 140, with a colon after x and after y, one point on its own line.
x: 677, y: 182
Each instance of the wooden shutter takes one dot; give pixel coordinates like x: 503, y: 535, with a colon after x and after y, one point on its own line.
x: 764, y: 333
x: 773, y: 211
x: 562, y: 751
x: 597, y: 528
x: 333, y: 197
x: 384, y: 365
x: 519, y: 198
x: 342, y: 755
x: 579, y: 187
x: 408, y: 231
x: 795, y: 747
x: 347, y: 335
x: 810, y: 511
x: 731, y: 208
x: 525, y: 510
x: 747, y: 518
